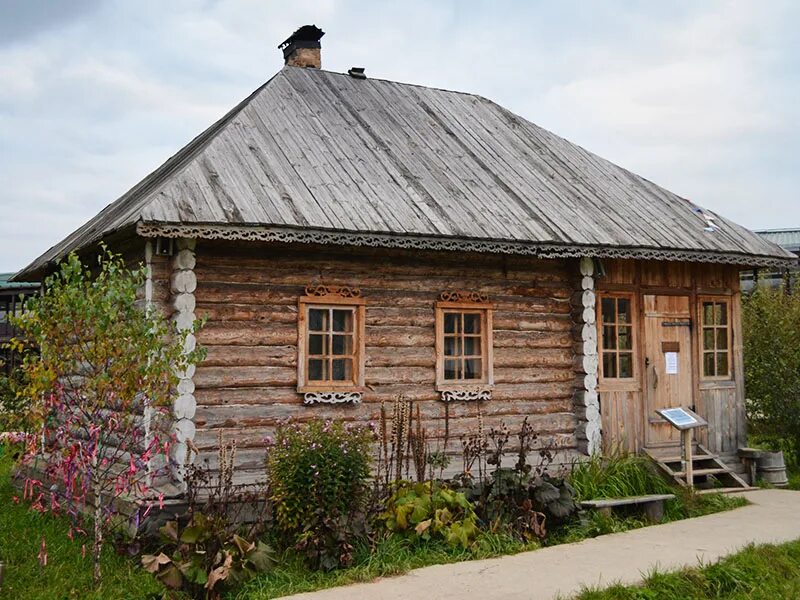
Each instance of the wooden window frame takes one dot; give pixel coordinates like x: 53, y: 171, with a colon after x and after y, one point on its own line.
x: 728, y: 302
x: 487, y: 350
x: 631, y: 297
x: 356, y: 384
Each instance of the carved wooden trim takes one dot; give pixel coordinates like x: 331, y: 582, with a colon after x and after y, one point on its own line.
x: 468, y: 395
x: 463, y: 296
x: 379, y: 240
x: 310, y: 398
x: 333, y: 290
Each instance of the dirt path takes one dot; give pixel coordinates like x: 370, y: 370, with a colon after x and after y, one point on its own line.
x: 773, y: 517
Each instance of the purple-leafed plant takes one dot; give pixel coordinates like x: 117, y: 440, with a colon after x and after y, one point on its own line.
x: 100, y: 380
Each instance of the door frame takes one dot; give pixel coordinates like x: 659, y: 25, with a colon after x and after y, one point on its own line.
x: 692, y: 360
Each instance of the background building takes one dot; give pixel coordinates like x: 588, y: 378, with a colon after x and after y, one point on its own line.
x: 788, y: 239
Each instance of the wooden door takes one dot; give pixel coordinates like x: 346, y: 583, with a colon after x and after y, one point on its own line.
x: 668, y: 364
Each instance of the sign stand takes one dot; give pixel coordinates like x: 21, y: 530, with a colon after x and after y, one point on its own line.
x: 685, y: 421
x: 688, y: 467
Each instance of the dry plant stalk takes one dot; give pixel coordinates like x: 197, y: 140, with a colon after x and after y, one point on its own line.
x: 419, y: 447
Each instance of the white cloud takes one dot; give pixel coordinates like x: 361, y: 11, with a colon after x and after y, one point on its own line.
x: 699, y: 97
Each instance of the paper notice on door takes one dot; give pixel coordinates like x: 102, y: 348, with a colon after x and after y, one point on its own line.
x: 671, y: 359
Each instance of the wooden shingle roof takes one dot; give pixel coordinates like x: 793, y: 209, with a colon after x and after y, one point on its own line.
x: 324, y: 157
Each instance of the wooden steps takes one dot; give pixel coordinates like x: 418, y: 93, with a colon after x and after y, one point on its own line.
x: 709, y: 471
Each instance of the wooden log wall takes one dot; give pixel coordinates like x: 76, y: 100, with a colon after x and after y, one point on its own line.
x: 249, y: 293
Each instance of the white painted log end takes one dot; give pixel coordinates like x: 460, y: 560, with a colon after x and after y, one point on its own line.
x: 587, y: 266
x: 185, y: 386
x: 184, y: 430
x: 183, y: 282
x: 186, y: 243
x: 185, y: 406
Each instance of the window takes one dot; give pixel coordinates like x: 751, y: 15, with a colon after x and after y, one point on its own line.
x: 616, y: 318
x: 463, y: 344
x: 715, y: 338
x: 330, y: 344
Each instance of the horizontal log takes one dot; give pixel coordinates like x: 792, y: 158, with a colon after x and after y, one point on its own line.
x: 266, y: 395
x: 339, y: 272
x: 215, y: 377
x: 542, y: 357
x: 248, y: 415
x: 251, y: 356
x: 261, y: 313
x: 276, y: 294
x: 382, y: 316
x: 247, y: 333
x: 554, y: 431
x: 531, y: 339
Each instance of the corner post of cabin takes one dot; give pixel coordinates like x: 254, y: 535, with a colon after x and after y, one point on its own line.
x: 585, y: 400
x: 183, y: 283
x: 147, y: 296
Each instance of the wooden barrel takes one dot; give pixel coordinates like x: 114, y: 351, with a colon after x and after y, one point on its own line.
x: 772, y: 469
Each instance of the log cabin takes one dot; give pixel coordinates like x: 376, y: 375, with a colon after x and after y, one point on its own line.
x: 351, y: 239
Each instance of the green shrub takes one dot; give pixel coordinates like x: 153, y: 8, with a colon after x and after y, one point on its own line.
x: 318, y: 475
x: 616, y: 476
x: 205, y: 556
x: 527, y: 504
x: 771, y: 333
x: 430, y: 510
x: 14, y: 408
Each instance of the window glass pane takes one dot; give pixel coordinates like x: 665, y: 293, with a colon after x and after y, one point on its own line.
x: 624, y: 338
x: 472, y: 368
x: 342, y: 369
x: 708, y: 339
x: 452, y: 322
x: 623, y: 310
x: 472, y: 346
x: 451, y: 369
x: 342, y: 344
x: 625, y: 364
x: 708, y: 313
x: 708, y: 364
x: 722, y: 364
x: 452, y: 346
x: 318, y: 319
x: 472, y: 323
x: 609, y: 337
x: 721, y: 313
x: 722, y: 338
x: 342, y: 320
x: 609, y: 364
x: 316, y: 369
x: 608, y: 310
x: 316, y: 344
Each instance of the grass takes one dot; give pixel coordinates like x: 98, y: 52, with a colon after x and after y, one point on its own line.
x: 617, y: 476
x: 766, y: 572
x: 68, y: 573
x: 625, y: 475
x: 392, y: 556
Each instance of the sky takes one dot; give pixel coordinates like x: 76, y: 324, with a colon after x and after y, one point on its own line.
x: 702, y: 98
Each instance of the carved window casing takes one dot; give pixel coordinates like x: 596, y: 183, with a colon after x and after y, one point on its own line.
x: 464, y: 368
x: 617, y: 337
x: 330, y: 345
x: 715, y: 338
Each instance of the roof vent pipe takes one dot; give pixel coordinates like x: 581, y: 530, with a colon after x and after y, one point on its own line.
x: 302, y: 48
x: 357, y: 73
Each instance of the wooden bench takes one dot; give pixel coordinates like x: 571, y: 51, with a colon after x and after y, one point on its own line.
x: 652, y: 505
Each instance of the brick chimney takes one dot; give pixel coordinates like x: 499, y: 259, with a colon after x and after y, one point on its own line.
x: 302, y: 48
